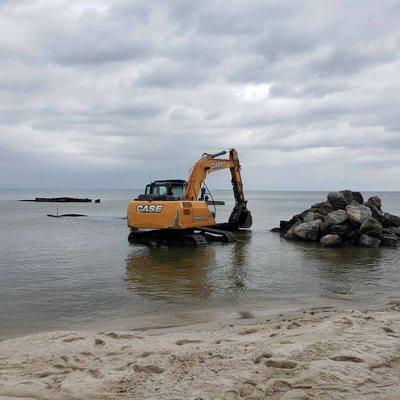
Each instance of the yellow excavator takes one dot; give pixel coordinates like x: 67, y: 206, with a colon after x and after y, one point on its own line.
x: 177, y: 211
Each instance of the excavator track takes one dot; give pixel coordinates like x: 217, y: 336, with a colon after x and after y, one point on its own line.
x: 196, y: 239
x: 218, y: 235
x: 192, y: 237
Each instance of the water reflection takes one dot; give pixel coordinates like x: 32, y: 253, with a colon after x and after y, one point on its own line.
x: 343, y: 273
x: 240, y: 262
x: 185, y: 274
x: 170, y: 274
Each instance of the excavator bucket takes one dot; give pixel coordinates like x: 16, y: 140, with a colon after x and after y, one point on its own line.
x: 240, y: 217
x: 245, y: 219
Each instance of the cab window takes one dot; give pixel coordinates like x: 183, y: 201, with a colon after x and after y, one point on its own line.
x: 177, y: 191
x: 160, y: 190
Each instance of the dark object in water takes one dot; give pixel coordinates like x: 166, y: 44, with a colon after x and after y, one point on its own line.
x: 61, y: 200
x: 66, y: 215
x: 97, y: 201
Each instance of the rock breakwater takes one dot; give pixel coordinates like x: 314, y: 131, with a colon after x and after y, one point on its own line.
x: 344, y: 219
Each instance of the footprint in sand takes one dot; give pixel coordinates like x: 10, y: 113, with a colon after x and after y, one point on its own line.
x: 73, y: 339
x: 86, y: 353
x: 247, y: 389
x: 285, y: 364
x: 231, y: 395
x: 387, y: 329
x: 348, y: 358
x: 96, y: 373
x: 155, y: 369
x: 186, y: 341
x: 261, y: 356
x: 293, y: 325
x: 114, y: 335
x: 248, y: 331
x: 99, y: 342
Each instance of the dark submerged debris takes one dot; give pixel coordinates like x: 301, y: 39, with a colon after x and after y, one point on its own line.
x: 60, y: 200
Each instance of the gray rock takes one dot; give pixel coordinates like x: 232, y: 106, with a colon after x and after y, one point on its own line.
x: 290, y: 235
x: 324, y: 208
x: 295, y: 394
x: 375, y: 201
x: 331, y: 241
x: 310, y: 216
x: 348, y: 195
x: 389, y: 220
x: 395, y: 230
x: 319, y: 216
x: 372, y: 227
x: 286, y: 225
x: 308, y: 230
x: 358, y: 213
x: 389, y: 240
x: 376, y: 212
x: 358, y: 197
x: 335, y: 218
x: 352, y: 239
x: 302, y: 214
x: 368, y: 241
x: 337, y: 200
x: 341, y: 230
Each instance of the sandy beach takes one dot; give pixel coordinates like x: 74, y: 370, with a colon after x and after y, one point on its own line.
x: 313, y: 354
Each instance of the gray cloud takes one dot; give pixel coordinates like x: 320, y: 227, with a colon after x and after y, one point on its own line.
x: 103, y: 93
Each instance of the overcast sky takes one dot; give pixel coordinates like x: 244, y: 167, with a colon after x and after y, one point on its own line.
x: 110, y: 93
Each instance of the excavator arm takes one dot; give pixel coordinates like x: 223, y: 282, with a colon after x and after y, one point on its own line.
x: 240, y: 216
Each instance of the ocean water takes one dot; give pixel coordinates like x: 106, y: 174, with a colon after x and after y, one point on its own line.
x: 74, y: 273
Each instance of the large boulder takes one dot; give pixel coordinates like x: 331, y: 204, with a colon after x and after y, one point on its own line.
x: 335, y: 218
x: 372, y: 227
x: 302, y: 214
x: 341, y: 230
x: 324, y: 208
x: 310, y: 216
x: 286, y: 225
x: 358, y: 213
x: 376, y: 212
x: 308, y: 230
x: 389, y: 220
x: 352, y: 239
x: 369, y: 241
x: 358, y: 197
x: 331, y: 241
x: 395, y: 230
x: 348, y: 195
x: 375, y: 201
x: 289, y: 235
x: 337, y: 200
x: 388, y: 240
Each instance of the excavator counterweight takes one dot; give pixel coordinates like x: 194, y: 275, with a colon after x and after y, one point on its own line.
x: 177, y: 210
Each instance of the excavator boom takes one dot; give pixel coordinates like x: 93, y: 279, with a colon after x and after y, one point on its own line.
x: 208, y: 163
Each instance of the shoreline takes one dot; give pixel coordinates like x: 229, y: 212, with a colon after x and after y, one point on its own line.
x: 335, y: 354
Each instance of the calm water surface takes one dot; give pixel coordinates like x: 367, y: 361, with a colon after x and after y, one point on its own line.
x: 70, y: 273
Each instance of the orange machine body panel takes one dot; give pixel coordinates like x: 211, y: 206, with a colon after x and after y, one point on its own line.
x: 180, y: 214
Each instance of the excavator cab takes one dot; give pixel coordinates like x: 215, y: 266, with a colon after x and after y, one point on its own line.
x: 167, y: 190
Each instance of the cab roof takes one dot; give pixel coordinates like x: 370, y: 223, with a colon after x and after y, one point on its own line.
x: 159, y: 182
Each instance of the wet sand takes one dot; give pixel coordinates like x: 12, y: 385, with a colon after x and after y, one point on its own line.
x: 307, y: 355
